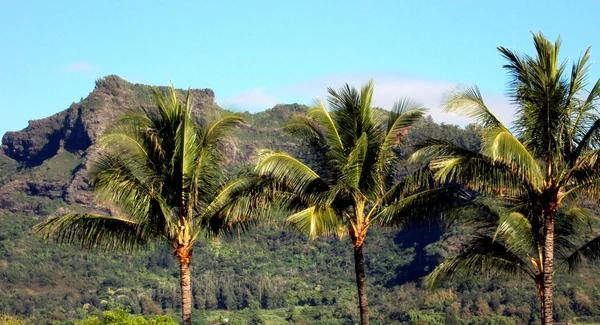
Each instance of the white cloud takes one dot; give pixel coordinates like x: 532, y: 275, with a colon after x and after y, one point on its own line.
x: 80, y: 66
x: 389, y: 87
x: 253, y: 100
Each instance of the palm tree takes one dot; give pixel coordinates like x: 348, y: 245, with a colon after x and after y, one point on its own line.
x: 506, y: 242
x: 163, y: 178
x: 549, y: 159
x: 349, y: 189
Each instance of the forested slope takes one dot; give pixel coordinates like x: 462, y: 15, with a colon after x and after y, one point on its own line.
x: 269, y: 274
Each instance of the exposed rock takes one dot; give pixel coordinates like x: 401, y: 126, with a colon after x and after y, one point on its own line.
x: 69, y: 138
x: 50, y: 158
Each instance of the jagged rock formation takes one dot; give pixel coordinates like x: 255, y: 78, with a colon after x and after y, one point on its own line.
x: 51, y: 156
x: 56, y: 151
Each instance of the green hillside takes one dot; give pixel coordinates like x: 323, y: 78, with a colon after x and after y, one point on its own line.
x: 269, y: 275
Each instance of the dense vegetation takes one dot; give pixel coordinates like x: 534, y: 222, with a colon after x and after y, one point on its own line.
x: 270, y: 275
x: 532, y: 180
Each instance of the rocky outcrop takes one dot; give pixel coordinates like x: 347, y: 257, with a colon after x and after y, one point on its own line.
x: 49, y: 160
x: 54, y: 152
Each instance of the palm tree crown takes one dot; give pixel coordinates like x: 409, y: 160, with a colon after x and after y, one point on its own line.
x: 547, y: 162
x: 163, y: 178
x: 348, y: 188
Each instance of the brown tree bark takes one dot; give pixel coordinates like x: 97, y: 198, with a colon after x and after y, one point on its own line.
x: 547, y: 291
x: 539, y: 283
x: 361, y: 283
x: 185, y: 255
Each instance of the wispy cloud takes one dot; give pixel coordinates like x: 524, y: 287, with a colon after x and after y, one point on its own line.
x: 389, y: 87
x: 80, y: 66
x: 253, y: 100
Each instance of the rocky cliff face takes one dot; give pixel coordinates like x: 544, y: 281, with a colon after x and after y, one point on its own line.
x: 47, y: 162
x: 76, y: 128
x: 53, y: 153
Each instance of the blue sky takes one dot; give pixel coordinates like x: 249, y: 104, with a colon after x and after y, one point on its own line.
x: 254, y: 54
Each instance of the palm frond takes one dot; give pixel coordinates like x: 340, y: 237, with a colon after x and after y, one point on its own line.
x: 353, y: 170
x: 315, y: 222
x: 92, y: 231
x: 467, y: 101
x: 299, y: 177
x: 417, y: 207
x: 541, y: 91
x: 515, y: 230
x: 366, y: 112
x: 588, y: 142
x: 330, y: 129
x: 349, y: 118
x: 452, y: 163
x: 483, y: 257
x: 406, y: 113
x: 501, y: 145
x: 589, y: 251
x: 306, y: 129
x: 244, y: 202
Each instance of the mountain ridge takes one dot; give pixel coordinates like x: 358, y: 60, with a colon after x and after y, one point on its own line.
x: 73, y: 132
x: 269, y: 272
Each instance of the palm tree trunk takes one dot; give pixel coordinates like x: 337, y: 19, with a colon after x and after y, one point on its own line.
x: 185, y: 257
x: 539, y: 283
x: 361, y: 283
x: 542, y: 308
x: 547, y: 300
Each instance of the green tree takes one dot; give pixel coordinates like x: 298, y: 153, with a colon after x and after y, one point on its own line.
x: 162, y: 176
x: 547, y: 162
x: 350, y: 188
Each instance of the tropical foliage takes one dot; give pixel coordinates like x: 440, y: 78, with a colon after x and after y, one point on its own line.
x: 162, y: 177
x: 270, y: 273
x: 538, y: 171
x: 349, y: 189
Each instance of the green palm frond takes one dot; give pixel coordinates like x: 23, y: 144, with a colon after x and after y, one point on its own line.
x: 92, y: 231
x: 452, y: 163
x: 589, y: 141
x: 585, y: 181
x: 244, y: 202
x: 416, y: 181
x: 298, y: 176
x: 306, y: 129
x: 498, y: 142
x: 366, y: 112
x: 541, y: 91
x: 346, y: 104
x: 315, y: 222
x: 515, y: 230
x: 405, y: 113
x: 417, y: 207
x: 207, y: 175
x: 572, y: 223
x: 483, y: 257
x: 132, y: 188
x: 589, y: 251
x: 329, y: 127
x: 501, y: 145
x: 579, y: 75
x: 353, y: 170
x: 467, y: 101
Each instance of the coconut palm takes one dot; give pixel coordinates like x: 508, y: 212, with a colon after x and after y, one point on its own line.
x: 505, y: 241
x: 348, y: 189
x: 162, y: 177
x: 549, y: 159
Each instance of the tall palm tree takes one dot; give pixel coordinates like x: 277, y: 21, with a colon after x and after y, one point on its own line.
x: 348, y: 189
x: 505, y: 241
x: 163, y: 178
x: 548, y: 160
